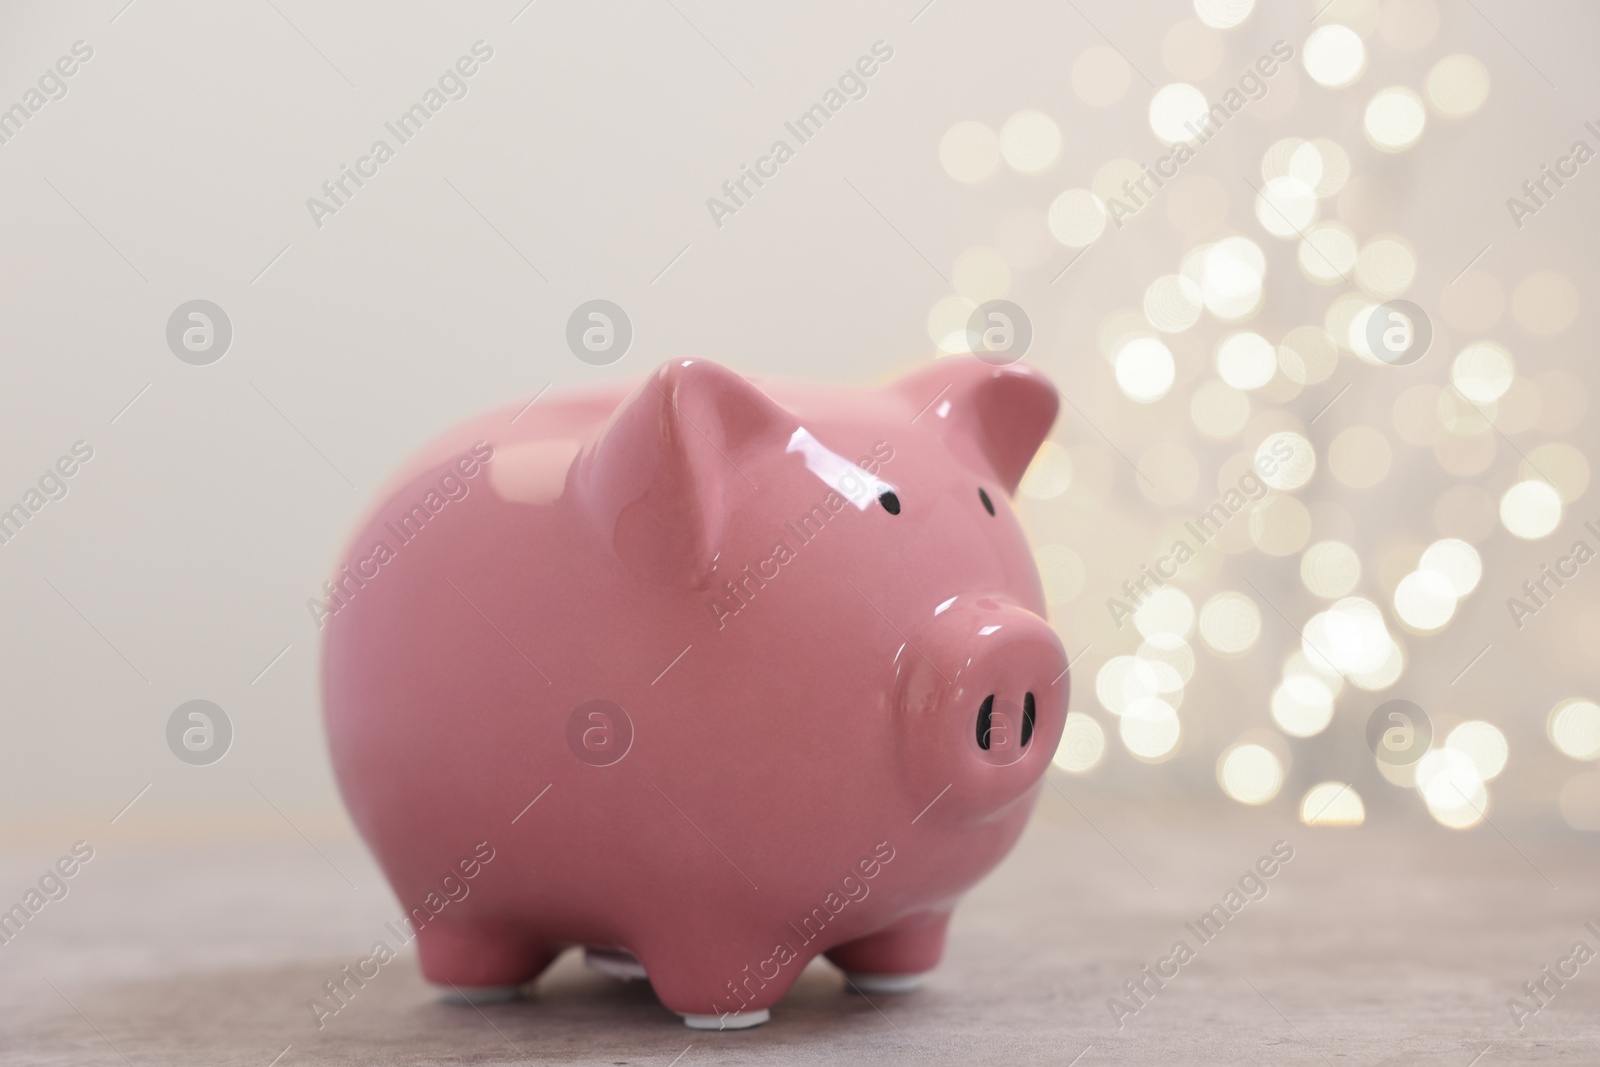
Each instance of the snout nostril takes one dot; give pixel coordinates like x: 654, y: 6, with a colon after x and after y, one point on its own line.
x: 985, y: 719
x: 1027, y: 719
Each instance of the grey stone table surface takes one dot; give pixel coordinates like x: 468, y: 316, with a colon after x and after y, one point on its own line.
x: 1374, y: 945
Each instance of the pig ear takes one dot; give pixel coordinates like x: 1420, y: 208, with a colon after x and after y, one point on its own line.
x: 664, y: 471
x: 993, y: 418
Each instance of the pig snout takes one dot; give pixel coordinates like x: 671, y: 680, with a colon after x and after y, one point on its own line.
x: 985, y: 695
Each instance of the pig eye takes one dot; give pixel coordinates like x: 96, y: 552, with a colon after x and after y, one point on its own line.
x: 890, y: 502
x: 1027, y: 719
x: 988, y: 505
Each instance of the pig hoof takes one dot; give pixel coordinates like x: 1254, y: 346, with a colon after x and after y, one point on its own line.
x: 615, y: 962
x: 739, y: 1020
x: 886, y: 983
x: 479, y: 996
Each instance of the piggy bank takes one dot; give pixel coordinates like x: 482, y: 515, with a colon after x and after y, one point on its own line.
x: 704, y: 675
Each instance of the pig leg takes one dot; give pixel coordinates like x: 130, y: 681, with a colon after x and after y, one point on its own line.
x: 896, y: 958
x: 480, y: 963
x: 729, y: 989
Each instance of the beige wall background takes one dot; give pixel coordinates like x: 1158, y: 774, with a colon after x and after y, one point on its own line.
x: 179, y: 161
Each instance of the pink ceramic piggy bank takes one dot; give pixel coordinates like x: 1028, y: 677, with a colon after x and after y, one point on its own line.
x: 720, y: 676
